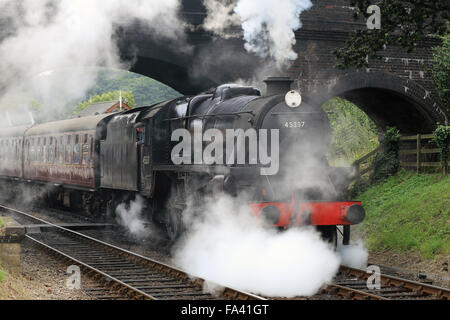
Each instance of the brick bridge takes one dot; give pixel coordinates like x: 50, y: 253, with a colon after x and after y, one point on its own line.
x: 396, y: 90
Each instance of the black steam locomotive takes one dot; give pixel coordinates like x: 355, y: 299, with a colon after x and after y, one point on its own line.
x: 94, y: 163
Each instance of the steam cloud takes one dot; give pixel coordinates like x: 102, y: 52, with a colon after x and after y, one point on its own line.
x: 51, y: 44
x: 129, y: 215
x: 268, y: 26
x: 354, y: 255
x: 227, y: 246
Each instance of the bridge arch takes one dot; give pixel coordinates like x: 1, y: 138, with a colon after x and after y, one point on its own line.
x: 171, y: 74
x: 389, y: 100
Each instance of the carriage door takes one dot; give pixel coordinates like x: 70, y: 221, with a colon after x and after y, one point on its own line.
x: 145, y: 158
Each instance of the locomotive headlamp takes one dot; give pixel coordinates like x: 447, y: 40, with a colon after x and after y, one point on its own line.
x: 271, y: 214
x: 293, y: 99
x: 355, y: 214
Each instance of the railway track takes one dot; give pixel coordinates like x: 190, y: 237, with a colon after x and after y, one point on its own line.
x: 129, y: 275
x: 124, y: 274
x: 351, y: 283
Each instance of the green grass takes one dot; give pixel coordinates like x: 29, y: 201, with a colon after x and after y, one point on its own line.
x: 408, y: 212
x: 2, y: 275
x: 1, y: 222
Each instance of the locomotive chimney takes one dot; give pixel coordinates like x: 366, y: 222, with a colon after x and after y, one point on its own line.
x: 278, y: 85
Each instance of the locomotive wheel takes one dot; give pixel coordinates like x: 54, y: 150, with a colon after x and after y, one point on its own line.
x: 174, y: 223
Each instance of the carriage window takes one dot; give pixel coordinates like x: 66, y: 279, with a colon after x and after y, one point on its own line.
x: 16, y: 150
x: 76, y: 150
x: 68, y: 150
x: 27, y: 150
x: 85, y: 150
x: 19, y: 149
x: 51, y: 149
x: 5, y: 150
x: 38, y: 151
x: 60, y: 148
x: 44, y: 151
x: 92, y: 149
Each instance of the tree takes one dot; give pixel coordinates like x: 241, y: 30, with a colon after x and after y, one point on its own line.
x: 403, y: 23
x: 127, y: 97
x: 440, y: 71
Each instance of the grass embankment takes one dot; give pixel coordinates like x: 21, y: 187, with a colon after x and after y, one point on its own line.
x: 408, y: 212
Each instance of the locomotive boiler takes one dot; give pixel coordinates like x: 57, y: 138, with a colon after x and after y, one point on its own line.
x: 273, y: 150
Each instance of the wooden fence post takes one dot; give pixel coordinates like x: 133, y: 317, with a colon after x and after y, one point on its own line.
x: 419, y: 145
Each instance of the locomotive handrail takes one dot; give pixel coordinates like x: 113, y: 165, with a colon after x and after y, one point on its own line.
x: 211, y: 115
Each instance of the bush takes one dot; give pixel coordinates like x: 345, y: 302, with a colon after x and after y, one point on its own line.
x: 386, y: 162
x: 442, y: 139
x: 440, y: 71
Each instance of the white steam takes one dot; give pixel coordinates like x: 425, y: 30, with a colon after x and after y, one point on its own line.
x: 129, y: 215
x: 220, y: 17
x: 268, y: 26
x: 354, y: 255
x: 47, y: 45
x: 227, y: 246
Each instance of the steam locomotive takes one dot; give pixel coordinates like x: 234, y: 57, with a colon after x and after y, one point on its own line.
x: 94, y: 163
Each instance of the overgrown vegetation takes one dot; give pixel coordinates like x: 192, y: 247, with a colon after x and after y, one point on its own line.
x: 440, y: 71
x: 386, y: 162
x: 408, y: 212
x: 354, y: 133
x: 442, y: 139
x: 403, y: 23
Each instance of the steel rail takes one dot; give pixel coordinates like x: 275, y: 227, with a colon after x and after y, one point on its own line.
x: 355, y: 287
x: 423, y: 289
x: 130, y: 257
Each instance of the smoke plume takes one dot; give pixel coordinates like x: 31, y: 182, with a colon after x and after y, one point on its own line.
x: 48, y: 47
x: 268, y: 26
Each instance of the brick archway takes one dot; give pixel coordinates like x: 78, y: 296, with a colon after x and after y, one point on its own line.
x: 388, y: 99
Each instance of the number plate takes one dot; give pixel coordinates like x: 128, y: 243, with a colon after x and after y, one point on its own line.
x: 294, y: 124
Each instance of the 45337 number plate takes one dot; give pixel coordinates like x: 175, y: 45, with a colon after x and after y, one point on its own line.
x: 294, y: 124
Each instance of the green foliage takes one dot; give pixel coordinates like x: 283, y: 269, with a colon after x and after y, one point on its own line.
x: 442, y: 139
x: 440, y: 71
x: 408, y: 212
x: 354, y: 133
x: 146, y: 91
x: 2, y: 275
x: 386, y: 162
x: 127, y: 97
x: 411, y: 21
